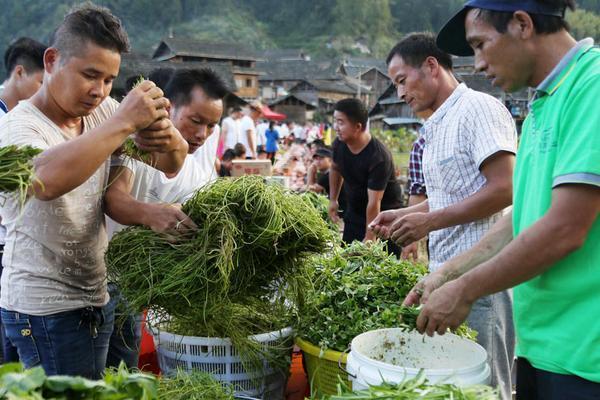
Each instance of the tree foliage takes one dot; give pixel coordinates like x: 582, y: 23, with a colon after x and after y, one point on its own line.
x: 323, y: 27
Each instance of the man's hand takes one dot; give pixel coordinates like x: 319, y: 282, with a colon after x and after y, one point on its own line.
x: 142, y: 106
x: 333, y: 210
x: 410, y: 252
x: 160, y: 137
x: 447, y: 307
x: 411, y: 228
x: 383, y: 222
x: 423, y: 289
x: 169, y: 219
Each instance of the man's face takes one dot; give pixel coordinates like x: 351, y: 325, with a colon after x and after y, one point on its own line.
x: 29, y: 82
x: 345, y: 129
x: 197, y: 119
x: 237, y: 114
x: 78, y: 84
x: 322, y: 163
x: 501, y: 56
x: 413, y: 85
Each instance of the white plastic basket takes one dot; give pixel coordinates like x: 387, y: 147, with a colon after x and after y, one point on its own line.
x: 218, y: 357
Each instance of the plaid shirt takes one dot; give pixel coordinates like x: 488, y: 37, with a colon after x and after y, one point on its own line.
x: 416, y: 183
x: 468, y: 128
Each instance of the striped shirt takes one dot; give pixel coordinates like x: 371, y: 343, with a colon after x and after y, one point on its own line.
x: 467, y: 129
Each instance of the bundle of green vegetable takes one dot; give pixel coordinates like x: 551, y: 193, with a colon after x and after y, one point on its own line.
x: 33, y: 384
x: 129, y: 148
x: 417, y: 388
x: 355, y: 290
x: 193, y: 386
x: 16, y: 169
x: 230, y: 277
x: 321, y: 203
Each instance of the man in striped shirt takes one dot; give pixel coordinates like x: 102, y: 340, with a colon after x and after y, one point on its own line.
x: 467, y: 164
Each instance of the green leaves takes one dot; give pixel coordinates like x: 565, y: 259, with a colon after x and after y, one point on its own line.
x: 33, y: 384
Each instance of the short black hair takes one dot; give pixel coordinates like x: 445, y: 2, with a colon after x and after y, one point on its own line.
x: 184, y: 80
x: 416, y: 47
x: 228, y: 155
x: 90, y: 23
x: 239, y: 149
x: 236, y: 109
x: 162, y: 76
x: 543, y: 24
x: 26, y: 52
x: 354, y: 109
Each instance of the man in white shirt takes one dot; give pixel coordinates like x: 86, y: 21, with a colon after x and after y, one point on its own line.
x: 24, y: 63
x: 230, y: 128
x: 468, y: 164
x: 248, y: 129
x: 54, y: 295
x: 261, y: 137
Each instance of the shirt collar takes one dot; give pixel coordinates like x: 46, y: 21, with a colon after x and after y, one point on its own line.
x: 546, y: 86
x: 446, y: 106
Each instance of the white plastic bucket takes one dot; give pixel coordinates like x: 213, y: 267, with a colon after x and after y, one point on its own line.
x: 393, y: 355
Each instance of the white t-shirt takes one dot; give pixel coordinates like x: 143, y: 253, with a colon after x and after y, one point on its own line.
x: 2, y: 228
x: 153, y: 186
x: 283, y: 131
x: 54, y: 253
x: 232, y: 126
x: 299, y: 132
x: 261, y: 137
x: 206, y: 155
x: 247, y: 124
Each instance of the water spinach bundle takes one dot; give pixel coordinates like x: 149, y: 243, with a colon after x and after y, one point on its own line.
x: 16, y: 169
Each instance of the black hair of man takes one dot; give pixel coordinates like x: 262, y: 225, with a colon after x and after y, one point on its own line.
x: 229, y: 155
x: 416, y: 47
x: 239, y: 149
x: 179, y: 89
x: 543, y: 24
x: 162, y: 76
x: 26, y: 52
x: 89, y: 24
x: 236, y: 109
x: 354, y: 110
x: 318, y: 143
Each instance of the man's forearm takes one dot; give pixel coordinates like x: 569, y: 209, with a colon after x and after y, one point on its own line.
x: 562, y: 230
x: 251, y: 143
x: 66, y: 166
x: 172, y: 161
x: 335, y: 184
x: 373, y: 209
x: 499, y: 235
x: 486, y: 202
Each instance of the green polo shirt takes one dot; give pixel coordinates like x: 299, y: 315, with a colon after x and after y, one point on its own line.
x: 557, y: 314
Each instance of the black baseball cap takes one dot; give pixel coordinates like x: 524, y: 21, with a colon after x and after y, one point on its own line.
x: 451, y: 37
x: 323, y: 152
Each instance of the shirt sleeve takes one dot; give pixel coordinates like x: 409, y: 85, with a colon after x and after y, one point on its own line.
x: 489, y: 129
x: 578, y: 144
x: 415, y: 169
x: 21, y: 132
x: 380, y: 171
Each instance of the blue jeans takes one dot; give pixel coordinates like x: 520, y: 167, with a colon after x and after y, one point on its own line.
x: 536, y: 384
x: 68, y: 343
x: 127, y: 332
x: 8, y: 352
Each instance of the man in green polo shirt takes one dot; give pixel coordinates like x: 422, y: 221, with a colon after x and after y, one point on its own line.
x: 548, y: 248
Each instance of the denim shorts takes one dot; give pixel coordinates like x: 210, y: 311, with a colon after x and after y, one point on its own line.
x: 68, y: 343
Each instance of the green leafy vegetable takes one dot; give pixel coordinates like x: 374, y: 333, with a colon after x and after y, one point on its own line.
x: 16, y: 169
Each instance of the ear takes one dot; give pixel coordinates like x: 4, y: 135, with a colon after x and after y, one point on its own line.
x: 431, y: 64
x: 521, y: 25
x: 51, y: 59
x: 19, y: 71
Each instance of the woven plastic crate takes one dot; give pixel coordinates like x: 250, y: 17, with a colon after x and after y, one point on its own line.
x: 323, y: 368
x: 218, y: 357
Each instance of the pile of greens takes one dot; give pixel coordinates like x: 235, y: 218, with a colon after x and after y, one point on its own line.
x: 232, y: 277
x: 193, y: 386
x: 33, y: 384
x: 321, y: 203
x: 16, y: 169
x: 417, y: 388
x: 354, y: 290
